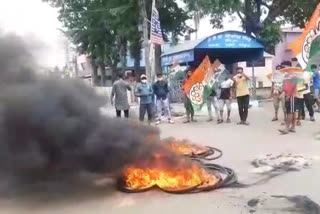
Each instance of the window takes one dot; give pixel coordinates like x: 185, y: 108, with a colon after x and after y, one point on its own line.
x: 257, y: 63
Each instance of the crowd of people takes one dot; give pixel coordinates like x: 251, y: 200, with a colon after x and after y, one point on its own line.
x: 155, y: 96
x: 221, y: 96
x: 292, y: 98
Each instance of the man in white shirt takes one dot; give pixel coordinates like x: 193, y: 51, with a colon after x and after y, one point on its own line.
x: 226, y: 97
x: 307, y: 97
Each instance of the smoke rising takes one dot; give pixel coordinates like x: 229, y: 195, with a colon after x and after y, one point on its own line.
x: 50, y: 126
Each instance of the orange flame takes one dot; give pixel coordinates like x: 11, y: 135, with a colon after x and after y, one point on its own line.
x: 188, y: 175
x: 185, y: 147
x: 170, y: 171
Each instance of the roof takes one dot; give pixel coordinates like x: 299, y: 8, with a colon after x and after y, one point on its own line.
x: 228, y: 46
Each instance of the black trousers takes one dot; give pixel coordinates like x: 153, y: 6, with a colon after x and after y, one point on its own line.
x: 126, y: 113
x: 243, y: 103
x: 146, y: 108
x: 308, y: 102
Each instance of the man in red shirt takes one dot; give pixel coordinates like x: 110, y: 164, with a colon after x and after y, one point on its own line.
x: 291, y: 104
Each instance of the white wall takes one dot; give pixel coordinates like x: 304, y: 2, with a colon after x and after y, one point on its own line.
x: 260, y: 72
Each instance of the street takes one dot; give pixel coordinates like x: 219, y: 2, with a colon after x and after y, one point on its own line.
x: 284, y: 192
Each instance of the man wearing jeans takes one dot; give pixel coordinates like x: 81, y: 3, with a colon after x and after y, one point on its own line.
x: 161, y: 91
x: 307, y: 98
x: 213, y: 101
x: 242, y: 92
x: 145, y: 93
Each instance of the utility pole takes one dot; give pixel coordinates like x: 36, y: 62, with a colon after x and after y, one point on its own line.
x: 254, y: 82
x: 146, y: 44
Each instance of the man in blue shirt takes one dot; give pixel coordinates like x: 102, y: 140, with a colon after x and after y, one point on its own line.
x: 316, y: 85
x: 145, y: 93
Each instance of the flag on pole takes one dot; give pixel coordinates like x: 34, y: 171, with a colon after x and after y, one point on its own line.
x: 156, y: 32
x: 306, y: 47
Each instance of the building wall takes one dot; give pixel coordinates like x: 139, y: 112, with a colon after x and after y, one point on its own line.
x: 283, y: 52
x: 260, y: 72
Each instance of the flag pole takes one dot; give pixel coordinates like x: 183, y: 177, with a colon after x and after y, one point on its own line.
x: 145, y: 37
x: 153, y: 52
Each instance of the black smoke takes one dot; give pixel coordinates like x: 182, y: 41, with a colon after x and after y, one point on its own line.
x: 50, y: 126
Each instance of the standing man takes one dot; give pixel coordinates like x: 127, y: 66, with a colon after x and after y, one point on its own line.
x: 120, y: 95
x: 292, y: 107
x: 226, y: 97
x: 187, y: 102
x: 301, y: 88
x: 213, y: 100
x: 242, y: 91
x: 307, y: 97
x: 316, y: 85
x: 278, y: 96
x: 161, y: 91
x: 145, y: 93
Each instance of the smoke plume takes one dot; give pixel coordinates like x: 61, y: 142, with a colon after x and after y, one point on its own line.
x: 50, y: 126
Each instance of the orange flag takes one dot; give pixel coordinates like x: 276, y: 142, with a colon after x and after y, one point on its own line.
x: 302, y: 46
x: 199, y: 86
x: 198, y: 75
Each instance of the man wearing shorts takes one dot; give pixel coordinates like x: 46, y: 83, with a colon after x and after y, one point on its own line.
x: 226, y: 97
x: 316, y: 85
x: 292, y: 107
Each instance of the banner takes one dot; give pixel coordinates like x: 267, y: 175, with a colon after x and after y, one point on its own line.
x: 199, y: 86
x: 306, y: 48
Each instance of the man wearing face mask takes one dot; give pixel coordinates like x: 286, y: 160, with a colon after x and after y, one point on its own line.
x: 242, y: 91
x: 145, y: 93
x: 161, y: 91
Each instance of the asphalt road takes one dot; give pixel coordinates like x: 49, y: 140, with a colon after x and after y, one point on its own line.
x: 285, y: 192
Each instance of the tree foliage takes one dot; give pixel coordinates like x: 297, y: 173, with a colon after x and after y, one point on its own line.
x: 260, y: 17
x: 107, y: 29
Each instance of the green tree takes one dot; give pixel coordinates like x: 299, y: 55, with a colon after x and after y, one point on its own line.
x: 262, y: 18
x: 106, y: 29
